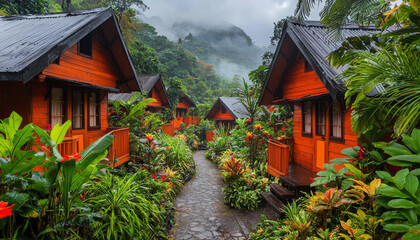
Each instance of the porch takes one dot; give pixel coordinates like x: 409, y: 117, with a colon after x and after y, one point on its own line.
x: 169, y: 128
x: 119, y: 148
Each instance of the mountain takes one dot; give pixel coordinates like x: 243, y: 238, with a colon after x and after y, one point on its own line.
x: 221, y: 44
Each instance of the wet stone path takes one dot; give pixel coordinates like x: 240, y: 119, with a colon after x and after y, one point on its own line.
x: 200, y: 210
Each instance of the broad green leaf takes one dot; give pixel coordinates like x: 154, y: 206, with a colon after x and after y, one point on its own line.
x: 411, y: 184
x: 399, y: 163
x: 399, y: 178
x: 82, y: 178
x: 89, y: 155
x: 397, y: 149
x: 329, y: 167
x: 350, y: 152
x: 139, y: 108
x: 384, y: 175
x: 354, y: 170
x: 415, y: 172
x: 391, y: 192
x: 415, y: 137
x: 46, y: 139
x: 401, y: 203
x: 14, y: 197
x: 22, y: 136
x: 408, y: 158
x: 412, y: 234
x: 68, y: 170
x: 11, y: 124
x: 376, y: 155
x: 340, y: 160
x: 399, y: 228
x: 59, y: 132
x: 408, y: 142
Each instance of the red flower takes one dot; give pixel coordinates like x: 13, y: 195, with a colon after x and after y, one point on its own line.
x: 5, y: 210
x: 81, y: 197
x: 282, y: 129
x: 65, y: 158
x: 249, y: 120
x: 48, y: 127
x: 76, y: 156
x: 270, y: 137
x: 154, y: 176
x: 112, y: 112
x: 269, y: 122
x: 247, y: 139
x: 163, y: 178
x: 361, y: 153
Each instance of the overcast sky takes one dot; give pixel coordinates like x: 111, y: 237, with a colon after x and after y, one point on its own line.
x: 255, y: 17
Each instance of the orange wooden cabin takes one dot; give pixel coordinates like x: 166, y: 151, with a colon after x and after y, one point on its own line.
x: 226, y: 110
x: 300, y: 75
x: 60, y: 67
x: 185, y: 103
x: 154, y: 87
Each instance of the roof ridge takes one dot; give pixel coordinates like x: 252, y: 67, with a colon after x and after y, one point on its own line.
x: 349, y: 25
x: 55, y: 14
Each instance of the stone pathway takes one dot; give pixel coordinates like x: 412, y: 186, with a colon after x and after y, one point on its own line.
x: 200, y: 210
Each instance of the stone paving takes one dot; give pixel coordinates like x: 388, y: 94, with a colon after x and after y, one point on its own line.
x: 201, y: 213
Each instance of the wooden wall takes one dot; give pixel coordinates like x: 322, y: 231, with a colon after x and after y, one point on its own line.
x: 155, y: 94
x: 299, y: 84
x: 304, y: 146
x: 218, y: 115
x: 100, y: 70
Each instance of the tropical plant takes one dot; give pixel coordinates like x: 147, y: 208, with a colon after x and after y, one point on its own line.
x: 125, y: 213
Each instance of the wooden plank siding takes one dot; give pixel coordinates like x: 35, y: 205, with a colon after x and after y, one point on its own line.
x: 99, y: 70
x: 218, y: 115
x: 301, y: 84
x: 158, y: 97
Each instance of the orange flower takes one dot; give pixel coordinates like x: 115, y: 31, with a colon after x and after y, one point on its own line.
x: 5, y: 210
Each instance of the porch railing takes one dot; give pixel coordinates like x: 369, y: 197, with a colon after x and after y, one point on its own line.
x: 69, y: 146
x: 168, y: 128
x: 120, y: 147
x: 209, y: 136
x: 191, y: 120
x: 278, y: 158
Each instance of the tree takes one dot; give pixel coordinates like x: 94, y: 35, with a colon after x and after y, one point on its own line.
x: 336, y: 13
x: 277, y: 31
x: 20, y: 7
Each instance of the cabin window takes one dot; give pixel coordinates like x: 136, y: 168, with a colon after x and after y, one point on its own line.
x: 94, y: 110
x: 85, y: 46
x: 78, y: 105
x: 308, y: 66
x: 223, y: 110
x: 58, y: 106
x: 307, y: 118
x: 181, y: 112
x: 336, y: 121
x: 320, y: 118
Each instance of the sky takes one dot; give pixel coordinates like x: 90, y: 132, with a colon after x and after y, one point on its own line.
x: 255, y: 17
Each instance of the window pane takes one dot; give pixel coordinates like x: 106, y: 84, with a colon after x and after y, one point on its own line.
x: 336, y: 120
x: 78, y: 110
x: 307, y: 117
x: 321, y: 118
x: 94, y: 110
x: 57, y: 106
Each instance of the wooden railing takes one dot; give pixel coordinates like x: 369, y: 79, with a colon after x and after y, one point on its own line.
x: 120, y: 147
x: 168, y: 128
x: 289, y: 142
x: 278, y: 158
x: 191, y: 120
x: 209, y: 136
x: 69, y: 146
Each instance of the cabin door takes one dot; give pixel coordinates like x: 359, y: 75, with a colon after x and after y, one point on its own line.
x: 320, y: 134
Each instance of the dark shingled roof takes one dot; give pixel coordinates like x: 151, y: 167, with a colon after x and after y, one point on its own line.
x: 147, y: 83
x: 233, y: 105
x: 29, y: 43
x: 312, y: 40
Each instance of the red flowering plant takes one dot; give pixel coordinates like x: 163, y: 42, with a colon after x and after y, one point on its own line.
x: 5, y: 210
x: 232, y: 170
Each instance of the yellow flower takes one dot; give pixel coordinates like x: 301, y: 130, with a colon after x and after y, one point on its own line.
x: 149, y: 137
x: 265, y: 132
x: 258, y: 126
x: 249, y: 134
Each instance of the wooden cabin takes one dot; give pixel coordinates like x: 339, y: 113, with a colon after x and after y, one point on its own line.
x: 300, y: 76
x: 185, y: 103
x: 226, y: 110
x: 153, y: 87
x: 59, y: 67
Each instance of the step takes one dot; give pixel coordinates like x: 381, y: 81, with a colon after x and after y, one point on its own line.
x: 281, y: 192
x: 274, y: 202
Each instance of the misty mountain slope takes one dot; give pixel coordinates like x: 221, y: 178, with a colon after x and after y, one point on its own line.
x: 221, y: 44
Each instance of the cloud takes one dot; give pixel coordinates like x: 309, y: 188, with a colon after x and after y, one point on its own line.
x: 256, y: 18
